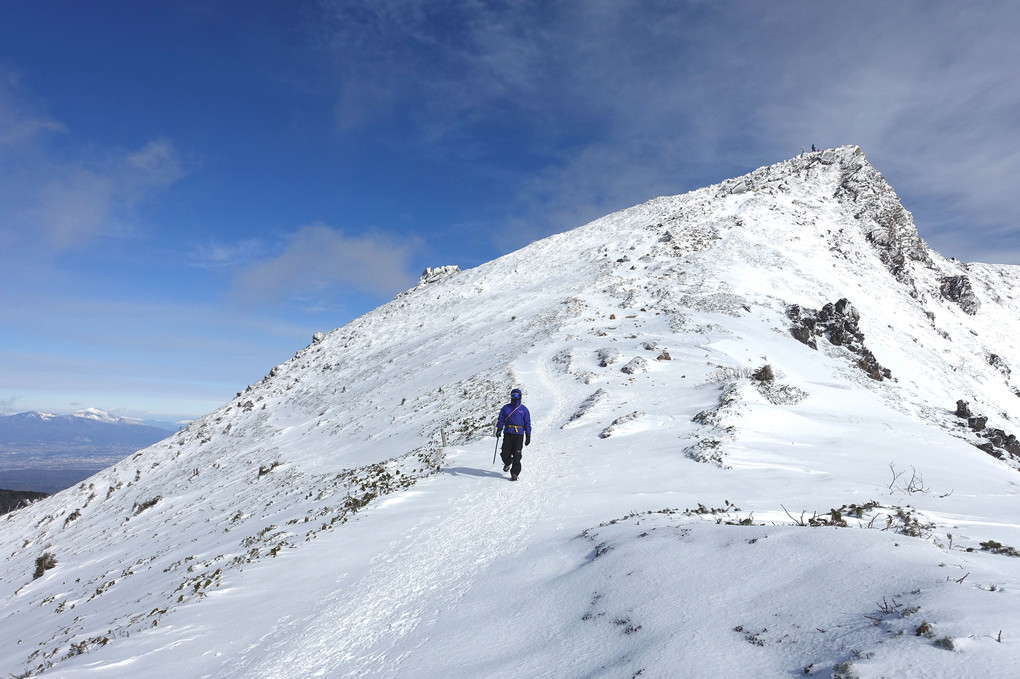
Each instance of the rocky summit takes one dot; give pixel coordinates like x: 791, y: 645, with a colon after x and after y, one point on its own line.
x: 774, y: 434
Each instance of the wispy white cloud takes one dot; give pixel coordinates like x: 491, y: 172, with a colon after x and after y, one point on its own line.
x: 66, y: 199
x: 316, y: 259
x: 98, y: 197
x: 219, y: 255
x: 20, y: 121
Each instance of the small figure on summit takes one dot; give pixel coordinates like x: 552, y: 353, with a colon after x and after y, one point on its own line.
x: 516, y: 419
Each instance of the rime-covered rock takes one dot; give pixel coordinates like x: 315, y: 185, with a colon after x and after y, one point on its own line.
x: 619, y: 422
x: 433, y: 275
x: 635, y: 365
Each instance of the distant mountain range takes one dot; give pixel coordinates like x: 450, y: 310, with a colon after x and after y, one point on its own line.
x: 44, y: 452
x: 88, y: 427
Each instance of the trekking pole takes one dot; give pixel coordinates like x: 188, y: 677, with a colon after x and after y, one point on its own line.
x: 496, y: 449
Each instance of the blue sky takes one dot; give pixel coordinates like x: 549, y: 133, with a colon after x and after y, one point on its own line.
x: 189, y: 190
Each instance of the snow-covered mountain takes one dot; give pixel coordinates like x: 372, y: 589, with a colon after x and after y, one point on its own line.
x: 773, y: 435
x: 83, y: 426
x: 100, y: 416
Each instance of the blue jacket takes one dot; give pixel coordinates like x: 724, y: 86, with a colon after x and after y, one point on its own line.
x: 515, y: 417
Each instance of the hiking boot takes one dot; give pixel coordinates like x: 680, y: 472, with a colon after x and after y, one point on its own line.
x: 514, y: 477
x: 506, y: 467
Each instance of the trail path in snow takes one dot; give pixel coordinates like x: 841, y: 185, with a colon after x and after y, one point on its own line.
x: 360, y: 628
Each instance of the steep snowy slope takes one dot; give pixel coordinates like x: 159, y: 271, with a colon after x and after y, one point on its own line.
x: 678, y: 514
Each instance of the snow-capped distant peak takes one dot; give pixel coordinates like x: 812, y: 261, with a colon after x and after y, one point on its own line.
x: 45, y: 417
x: 97, y: 415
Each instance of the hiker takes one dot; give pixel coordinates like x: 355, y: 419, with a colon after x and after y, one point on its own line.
x: 516, y: 419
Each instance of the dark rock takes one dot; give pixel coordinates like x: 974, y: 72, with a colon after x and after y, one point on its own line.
x: 844, y: 308
x: 990, y: 449
x: 803, y: 334
x: 873, y: 368
x: 1000, y: 364
x: 996, y: 436
x: 958, y: 289
x: 997, y: 442
x: 1001, y: 440
x: 838, y: 323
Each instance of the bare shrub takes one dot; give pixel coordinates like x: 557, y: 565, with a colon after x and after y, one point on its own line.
x: 45, y: 562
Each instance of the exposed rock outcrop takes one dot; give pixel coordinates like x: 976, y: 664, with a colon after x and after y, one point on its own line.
x: 888, y: 226
x: 838, y: 323
x: 997, y: 442
x: 958, y: 289
x: 1000, y: 364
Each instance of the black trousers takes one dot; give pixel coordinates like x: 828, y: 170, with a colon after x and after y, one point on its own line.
x: 510, y: 453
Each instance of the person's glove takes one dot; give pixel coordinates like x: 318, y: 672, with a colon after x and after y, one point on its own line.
x: 499, y: 432
x: 527, y: 439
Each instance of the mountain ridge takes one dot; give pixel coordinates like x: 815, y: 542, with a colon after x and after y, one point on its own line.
x: 635, y: 338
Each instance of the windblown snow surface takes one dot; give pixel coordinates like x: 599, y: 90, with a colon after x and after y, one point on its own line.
x: 676, y: 516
